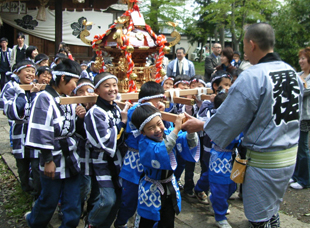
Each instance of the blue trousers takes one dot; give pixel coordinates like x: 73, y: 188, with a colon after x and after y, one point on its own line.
x: 129, y: 201
x: 302, y: 168
x: 45, y: 205
x: 220, y: 193
x: 203, y: 182
x: 181, y: 166
x: 106, y: 204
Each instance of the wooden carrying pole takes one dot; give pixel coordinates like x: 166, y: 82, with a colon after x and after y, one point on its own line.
x: 170, y: 117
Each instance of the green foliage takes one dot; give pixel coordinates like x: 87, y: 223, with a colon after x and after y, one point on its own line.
x: 235, y: 14
x: 157, y: 12
x: 291, y: 25
x: 199, y: 68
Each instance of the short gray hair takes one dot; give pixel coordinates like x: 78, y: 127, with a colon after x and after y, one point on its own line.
x: 262, y: 34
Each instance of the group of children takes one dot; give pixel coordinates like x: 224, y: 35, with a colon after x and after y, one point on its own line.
x: 119, y: 161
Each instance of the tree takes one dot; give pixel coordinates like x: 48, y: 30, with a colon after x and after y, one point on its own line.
x: 235, y: 14
x: 199, y: 30
x: 291, y: 24
x: 157, y: 12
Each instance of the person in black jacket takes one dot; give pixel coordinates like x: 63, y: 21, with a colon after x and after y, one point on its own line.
x: 212, y: 61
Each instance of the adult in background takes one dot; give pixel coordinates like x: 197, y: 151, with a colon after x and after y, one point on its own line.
x: 301, y: 176
x: 212, y: 61
x: 31, y: 53
x: 226, y: 59
x: 180, y: 65
x: 5, y: 56
x: 263, y: 106
x: 19, y: 50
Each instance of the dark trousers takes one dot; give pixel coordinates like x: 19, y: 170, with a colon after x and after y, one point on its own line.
x: 4, y: 79
x: 23, y: 172
x: 129, y: 201
x: 167, y: 215
x: 302, y: 168
x: 44, y: 208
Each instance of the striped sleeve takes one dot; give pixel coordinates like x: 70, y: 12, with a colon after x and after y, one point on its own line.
x: 99, y: 131
x: 41, y: 128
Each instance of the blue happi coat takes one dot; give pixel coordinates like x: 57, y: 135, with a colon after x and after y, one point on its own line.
x: 157, y: 162
x: 49, y: 123
x: 17, y: 104
x: 132, y: 167
x: 220, y: 164
x: 102, y: 124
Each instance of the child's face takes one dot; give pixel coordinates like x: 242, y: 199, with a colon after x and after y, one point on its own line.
x: 85, y: 91
x: 26, y: 75
x: 154, y: 129
x: 155, y: 101
x: 44, y: 63
x: 182, y: 86
x: 69, y: 87
x: 194, y: 85
x: 108, y: 90
x: 83, y: 67
x: 44, y: 78
x: 225, y: 83
x: 168, y: 84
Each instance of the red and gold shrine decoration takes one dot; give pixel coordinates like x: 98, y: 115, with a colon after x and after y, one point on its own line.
x: 129, y: 41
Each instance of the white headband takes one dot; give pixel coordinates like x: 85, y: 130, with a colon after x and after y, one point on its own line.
x: 105, y: 78
x: 151, y: 97
x: 182, y: 81
x: 39, y: 61
x: 199, y: 81
x: 136, y: 133
x: 60, y: 73
x: 25, y: 66
x: 81, y: 85
x: 221, y: 76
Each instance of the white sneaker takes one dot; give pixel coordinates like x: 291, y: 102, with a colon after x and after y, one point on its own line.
x: 223, y: 224
x: 296, y: 186
x: 26, y: 214
x: 291, y: 181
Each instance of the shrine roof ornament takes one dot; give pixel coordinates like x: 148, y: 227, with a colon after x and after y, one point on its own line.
x: 129, y: 40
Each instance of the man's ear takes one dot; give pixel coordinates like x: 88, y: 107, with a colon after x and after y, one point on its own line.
x: 142, y: 132
x: 253, y: 45
x: 62, y: 78
x: 96, y: 91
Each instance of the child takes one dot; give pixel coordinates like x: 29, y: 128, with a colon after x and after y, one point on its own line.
x: 59, y: 162
x: 150, y: 93
x: 167, y: 83
x: 180, y: 82
x: 84, y: 87
x: 220, y: 78
x: 41, y: 60
x: 59, y: 57
x: 43, y: 75
x: 235, y: 74
x: 196, y: 81
x: 104, y: 125
x: 159, y: 195
x: 17, y: 103
x: 221, y: 186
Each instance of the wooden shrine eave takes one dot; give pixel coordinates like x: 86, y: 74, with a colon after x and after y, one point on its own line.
x: 96, y: 5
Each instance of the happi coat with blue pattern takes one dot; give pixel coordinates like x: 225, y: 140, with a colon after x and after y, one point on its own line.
x: 132, y: 167
x: 156, y: 160
x: 102, y: 133
x: 49, y: 123
x: 14, y: 96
